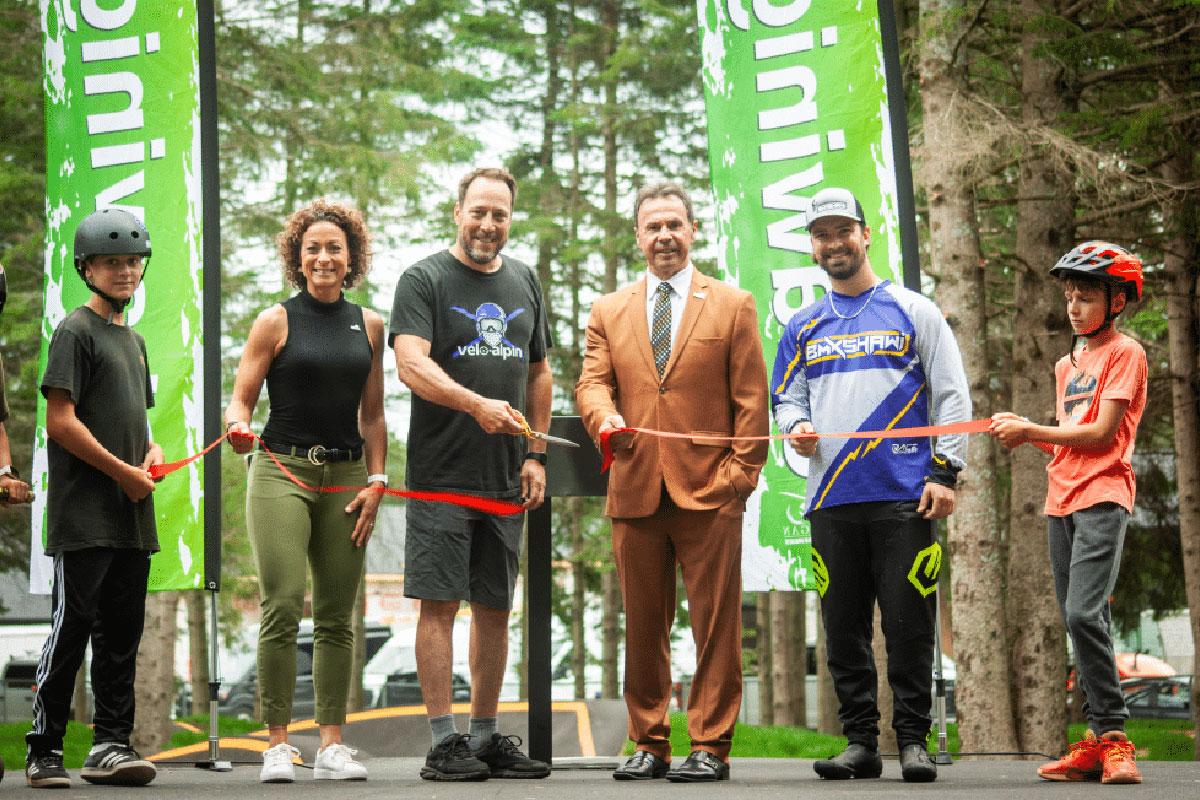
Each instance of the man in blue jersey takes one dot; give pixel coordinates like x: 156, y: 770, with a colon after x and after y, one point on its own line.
x: 870, y: 356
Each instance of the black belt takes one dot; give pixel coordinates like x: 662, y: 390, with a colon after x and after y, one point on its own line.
x: 316, y: 454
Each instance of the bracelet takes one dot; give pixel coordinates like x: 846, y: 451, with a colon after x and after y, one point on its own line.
x: 231, y: 423
x: 538, y: 457
x: 378, y: 477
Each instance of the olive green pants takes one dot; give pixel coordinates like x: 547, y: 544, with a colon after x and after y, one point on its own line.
x: 291, y: 527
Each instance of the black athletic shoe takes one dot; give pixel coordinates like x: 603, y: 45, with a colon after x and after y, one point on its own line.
x: 45, y: 771
x: 504, y: 758
x: 452, y: 759
x: 117, y: 764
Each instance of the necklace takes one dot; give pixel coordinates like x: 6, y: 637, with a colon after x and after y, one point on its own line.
x: 861, y: 309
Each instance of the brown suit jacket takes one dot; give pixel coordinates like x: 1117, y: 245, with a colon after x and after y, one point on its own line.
x: 715, y: 382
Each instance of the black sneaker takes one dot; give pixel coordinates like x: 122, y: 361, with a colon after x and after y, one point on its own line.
x: 504, y: 758
x: 117, y: 764
x: 452, y: 759
x: 45, y: 771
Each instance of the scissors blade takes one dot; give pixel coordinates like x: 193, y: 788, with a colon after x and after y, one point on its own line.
x: 545, y: 437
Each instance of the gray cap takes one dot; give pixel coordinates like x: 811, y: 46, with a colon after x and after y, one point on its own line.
x: 835, y: 202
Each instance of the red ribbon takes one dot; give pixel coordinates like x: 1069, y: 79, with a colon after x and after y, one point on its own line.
x: 484, y: 504
x: 971, y: 426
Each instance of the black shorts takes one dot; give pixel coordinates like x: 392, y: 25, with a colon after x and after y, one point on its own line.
x: 455, y: 553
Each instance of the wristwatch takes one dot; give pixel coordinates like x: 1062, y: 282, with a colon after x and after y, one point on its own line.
x: 9, y: 469
x: 538, y: 457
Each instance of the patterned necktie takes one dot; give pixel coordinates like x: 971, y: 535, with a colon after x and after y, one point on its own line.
x: 660, y: 327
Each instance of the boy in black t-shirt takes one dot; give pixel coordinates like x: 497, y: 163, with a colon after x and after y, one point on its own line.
x: 100, y: 529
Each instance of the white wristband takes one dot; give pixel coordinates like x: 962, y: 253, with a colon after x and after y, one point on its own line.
x: 380, y: 477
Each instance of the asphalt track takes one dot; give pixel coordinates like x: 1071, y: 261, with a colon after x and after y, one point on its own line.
x: 752, y: 779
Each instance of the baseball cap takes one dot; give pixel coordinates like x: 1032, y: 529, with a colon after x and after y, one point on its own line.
x: 835, y: 202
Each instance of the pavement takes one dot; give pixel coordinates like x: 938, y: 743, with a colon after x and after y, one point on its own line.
x: 752, y: 779
x: 578, y: 728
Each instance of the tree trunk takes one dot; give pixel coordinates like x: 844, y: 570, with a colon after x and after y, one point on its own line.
x: 610, y: 635
x: 982, y: 692
x: 766, y: 674
x: 827, y: 702
x: 198, y: 649
x: 154, y: 688
x: 80, y: 706
x: 797, y: 641
x: 1045, y: 226
x: 783, y: 671
x: 1183, y: 327
x: 887, y: 736
x: 610, y: 24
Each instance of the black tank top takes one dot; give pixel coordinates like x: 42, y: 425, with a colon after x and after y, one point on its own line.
x: 316, y: 382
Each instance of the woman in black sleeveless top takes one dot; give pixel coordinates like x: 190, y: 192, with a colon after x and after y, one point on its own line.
x: 321, y: 357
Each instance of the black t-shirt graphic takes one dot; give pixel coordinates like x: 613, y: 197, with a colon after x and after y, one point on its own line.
x: 484, y: 330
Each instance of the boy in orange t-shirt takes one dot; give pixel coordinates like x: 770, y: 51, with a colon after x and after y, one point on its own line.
x: 1100, y: 395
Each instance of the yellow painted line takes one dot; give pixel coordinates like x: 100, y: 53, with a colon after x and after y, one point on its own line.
x: 187, y: 726
x: 583, y: 724
x: 233, y: 743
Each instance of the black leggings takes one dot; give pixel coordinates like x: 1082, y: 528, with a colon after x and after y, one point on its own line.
x: 861, y: 552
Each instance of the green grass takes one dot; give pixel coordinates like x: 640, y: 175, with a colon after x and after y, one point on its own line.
x: 79, y: 739
x: 12, y: 745
x: 226, y: 726
x: 1156, y: 740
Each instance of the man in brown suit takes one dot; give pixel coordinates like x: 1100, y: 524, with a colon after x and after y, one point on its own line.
x: 677, y: 351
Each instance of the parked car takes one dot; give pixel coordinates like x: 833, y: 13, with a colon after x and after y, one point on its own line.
x: 1159, y: 698
x: 390, y: 678
x: 237, y: 699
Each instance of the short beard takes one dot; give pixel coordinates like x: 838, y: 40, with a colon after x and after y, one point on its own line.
x: 479, y: 256
x: 843, y: 273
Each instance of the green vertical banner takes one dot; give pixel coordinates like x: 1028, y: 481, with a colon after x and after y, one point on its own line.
x: 121, y: 81
x: 797, y: 100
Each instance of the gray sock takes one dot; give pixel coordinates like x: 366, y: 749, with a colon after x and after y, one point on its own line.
x: 442, y: 727
x: 482, y: 729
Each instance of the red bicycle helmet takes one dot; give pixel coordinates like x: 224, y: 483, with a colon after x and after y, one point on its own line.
x: 1106, y: 262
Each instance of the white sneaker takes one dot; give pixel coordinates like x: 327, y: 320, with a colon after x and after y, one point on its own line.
x: 277, y: 764
x: 336, y: 763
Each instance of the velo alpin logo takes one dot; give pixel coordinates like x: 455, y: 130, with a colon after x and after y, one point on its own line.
x: 925, y: 569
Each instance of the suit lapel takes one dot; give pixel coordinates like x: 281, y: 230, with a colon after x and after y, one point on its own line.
x: 692, y: 305
x: 641, y: 323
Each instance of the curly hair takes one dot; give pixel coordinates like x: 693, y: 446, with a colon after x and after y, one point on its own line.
x: 358, y: 240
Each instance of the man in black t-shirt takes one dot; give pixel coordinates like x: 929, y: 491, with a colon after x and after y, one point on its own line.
x: 101, y: 529
x: 469, y: 330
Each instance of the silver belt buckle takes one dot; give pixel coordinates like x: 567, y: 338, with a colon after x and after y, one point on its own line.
x: 316, y: 455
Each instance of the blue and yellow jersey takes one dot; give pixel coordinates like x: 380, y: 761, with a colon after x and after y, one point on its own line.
x: 884, y: 359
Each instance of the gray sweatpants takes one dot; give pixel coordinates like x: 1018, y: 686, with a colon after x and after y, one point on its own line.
x: 1085, y: 555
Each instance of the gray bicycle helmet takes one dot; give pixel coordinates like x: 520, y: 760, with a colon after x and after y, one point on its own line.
x: 110, y: 232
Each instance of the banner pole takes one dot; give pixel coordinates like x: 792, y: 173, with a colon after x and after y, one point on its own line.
x: 942, y: 756
x: 210, y: 179
x: 910, y: 252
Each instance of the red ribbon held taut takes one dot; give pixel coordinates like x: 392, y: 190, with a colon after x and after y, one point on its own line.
x: 484, y: 504
x: 971, y: 426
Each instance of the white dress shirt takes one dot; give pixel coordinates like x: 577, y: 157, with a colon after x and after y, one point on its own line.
x: 681, y: 284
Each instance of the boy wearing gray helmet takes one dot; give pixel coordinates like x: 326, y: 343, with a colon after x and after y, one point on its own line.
x: 101, y: 529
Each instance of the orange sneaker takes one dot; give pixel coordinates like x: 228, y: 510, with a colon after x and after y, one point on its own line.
x: 1083, y: 762
x: 1118, y: 758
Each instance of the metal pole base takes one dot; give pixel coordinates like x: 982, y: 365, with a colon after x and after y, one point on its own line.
x: 215, y: 766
